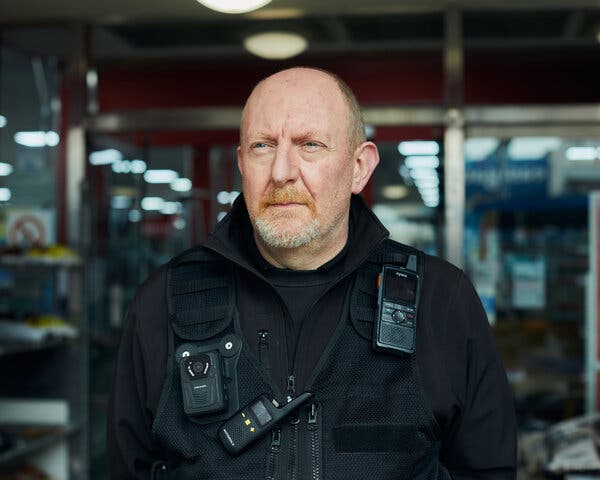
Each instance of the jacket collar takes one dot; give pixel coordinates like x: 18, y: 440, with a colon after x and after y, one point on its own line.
x: 233, y: 237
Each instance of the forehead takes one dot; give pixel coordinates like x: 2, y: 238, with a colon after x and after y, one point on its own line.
x: 296, y: 100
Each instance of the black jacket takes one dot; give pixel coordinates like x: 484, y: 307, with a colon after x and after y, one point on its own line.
x: 461, y: 371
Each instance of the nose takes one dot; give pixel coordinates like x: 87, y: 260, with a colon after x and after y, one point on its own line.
x: 285, y: 166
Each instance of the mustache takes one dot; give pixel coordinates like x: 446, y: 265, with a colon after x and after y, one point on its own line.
x: 289, y: 194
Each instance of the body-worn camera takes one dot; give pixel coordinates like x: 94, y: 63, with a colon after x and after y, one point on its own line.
x: 396, y: 322
x: 209, y: 383
x: 202, y: 383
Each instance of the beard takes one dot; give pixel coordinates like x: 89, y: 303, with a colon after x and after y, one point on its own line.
x: 282, y: 229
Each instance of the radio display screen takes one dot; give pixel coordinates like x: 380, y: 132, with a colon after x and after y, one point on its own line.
x: 399, y: 287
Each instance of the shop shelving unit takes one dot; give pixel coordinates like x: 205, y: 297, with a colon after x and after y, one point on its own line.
x: 43, y: 393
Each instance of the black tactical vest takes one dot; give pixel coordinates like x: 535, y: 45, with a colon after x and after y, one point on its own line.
x: 369, y: 418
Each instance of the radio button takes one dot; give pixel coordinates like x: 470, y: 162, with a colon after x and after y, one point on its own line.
x: 399, y: 317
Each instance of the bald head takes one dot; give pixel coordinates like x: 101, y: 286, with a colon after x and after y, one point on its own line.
x: 294, y: 79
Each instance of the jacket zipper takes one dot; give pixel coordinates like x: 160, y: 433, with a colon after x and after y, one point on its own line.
x: 294, y: 422
x: 313, y: 426
x: 274, y: 450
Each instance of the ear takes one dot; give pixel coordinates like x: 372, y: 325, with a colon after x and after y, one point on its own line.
x: 366, y: 158
x: 239, y: 160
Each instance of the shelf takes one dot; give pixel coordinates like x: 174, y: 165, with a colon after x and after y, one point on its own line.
x: 10, y: 349
x: 39, y: 262
x: 28, y: 447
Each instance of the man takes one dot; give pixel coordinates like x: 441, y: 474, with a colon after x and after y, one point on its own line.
x: 282, y: 300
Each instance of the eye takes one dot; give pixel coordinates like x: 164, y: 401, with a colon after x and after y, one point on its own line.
x: 311, y: 146
x: 259, y: 145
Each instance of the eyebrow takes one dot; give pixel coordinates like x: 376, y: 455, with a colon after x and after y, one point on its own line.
x: 308, y: 135
x: 301, y: 137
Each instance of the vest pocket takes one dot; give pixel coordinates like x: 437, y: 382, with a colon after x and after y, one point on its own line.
x: 375, y: 438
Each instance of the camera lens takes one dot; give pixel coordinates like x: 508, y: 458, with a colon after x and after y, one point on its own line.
x: 198, y: 367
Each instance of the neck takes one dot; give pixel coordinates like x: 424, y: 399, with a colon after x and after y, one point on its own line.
x: 307, y: 257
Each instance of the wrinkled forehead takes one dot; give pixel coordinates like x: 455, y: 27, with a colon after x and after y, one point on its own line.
x: 311, y: 101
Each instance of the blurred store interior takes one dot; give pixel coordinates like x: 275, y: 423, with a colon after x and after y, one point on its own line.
x: 118, y: 128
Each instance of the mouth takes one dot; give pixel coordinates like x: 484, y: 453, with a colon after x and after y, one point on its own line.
x: 286, y: 205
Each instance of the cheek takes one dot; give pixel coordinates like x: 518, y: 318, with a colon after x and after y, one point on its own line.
x: 254, y: 186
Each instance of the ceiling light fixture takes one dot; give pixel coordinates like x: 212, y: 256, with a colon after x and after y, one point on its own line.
x: 37, y: 139
x: 419, y: 147
x: 160, y: 176
x: 234, y: 6
x: 424, y: 173
x: 138, y: 166
x: 275, y: 45
x: 4, y: 194
x: 105, y: 157
x: 425, y: 161
x: 152, y: 203
x: 3, y: 121
x: 5, y: 169
x: 581, y: 153
x: 181, y: 185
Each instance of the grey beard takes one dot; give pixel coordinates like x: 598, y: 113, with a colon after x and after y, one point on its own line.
x: 272, y: 235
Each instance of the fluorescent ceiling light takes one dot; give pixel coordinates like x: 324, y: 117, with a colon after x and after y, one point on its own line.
x: 105, y: 157
x: 52, y: 139
x: 223, y: 197
x: 170, y: 208
x: 418, y: 147
x: 152, y: 203
x: 4, y: 194
x: 532, y: 148
x: 423, y: 173
x: 479, y: 148
x: 431, y: 203
x: 581, y: 153
x: 5, y: 169
x: 181, y: 185
x: 138, y: 166
x: 123, y: 166
x: 394, y: 192
x: 234, y: 6
x: 119, y: 202
x: 3, y: 121
x: 427, y: 183
x: 425, y: 161
x: 429, y: 193
x: 91, y: 79
x: 37, y: 139
x: 160, y: 176
x: 134, y: 216
x: 275, y: 45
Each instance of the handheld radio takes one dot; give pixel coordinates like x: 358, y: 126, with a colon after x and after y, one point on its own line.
x: 396, y: 322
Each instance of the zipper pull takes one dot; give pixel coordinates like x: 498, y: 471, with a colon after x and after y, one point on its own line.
x: 291, y: 388
x: 276, y: 440
x: 263, y: 348
x: 312, y: 416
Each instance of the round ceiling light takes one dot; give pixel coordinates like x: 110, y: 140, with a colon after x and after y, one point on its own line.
x: 275, y: 45
x: 234, y: 6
